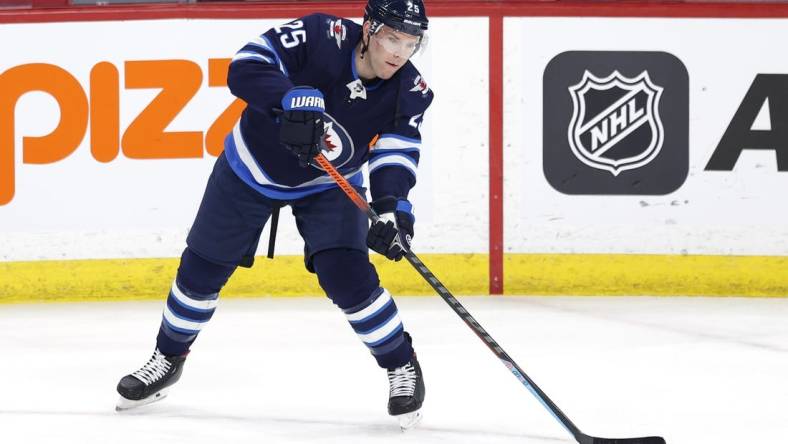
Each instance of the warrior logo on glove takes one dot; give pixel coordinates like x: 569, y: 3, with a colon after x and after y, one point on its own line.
x: 301, y: 129
x: 306, y: 129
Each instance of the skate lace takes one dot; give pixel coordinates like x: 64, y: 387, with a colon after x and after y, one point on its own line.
x: 402, y: 381
x: 154, y: 369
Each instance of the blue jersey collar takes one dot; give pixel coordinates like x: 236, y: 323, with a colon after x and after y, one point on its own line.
x: 370, y: 87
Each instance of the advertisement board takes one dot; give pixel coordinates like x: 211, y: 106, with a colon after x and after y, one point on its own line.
x: 637, y: 143
x: 110, y: 130
x: 646, y: 136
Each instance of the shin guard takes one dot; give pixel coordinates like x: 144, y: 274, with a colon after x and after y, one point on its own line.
x: 191, y: 302
x: 377, y: 323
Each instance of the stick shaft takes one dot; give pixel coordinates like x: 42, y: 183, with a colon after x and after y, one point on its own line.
x: 351, y: 192
x: 458, y: 308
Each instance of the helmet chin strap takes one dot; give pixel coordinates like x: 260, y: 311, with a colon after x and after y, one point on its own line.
x: 364, y: 47
x: 374, y: 27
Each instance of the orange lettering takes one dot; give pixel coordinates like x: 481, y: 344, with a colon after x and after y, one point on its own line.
x: 58, y: 144
x: 104, y: 112
x: 146, y: 137
x: 214, y: 138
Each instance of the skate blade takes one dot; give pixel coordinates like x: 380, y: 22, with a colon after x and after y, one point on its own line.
x: 409, y: 420
x: 128, y: 404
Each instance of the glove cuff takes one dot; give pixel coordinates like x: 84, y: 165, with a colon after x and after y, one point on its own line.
x: 385, y: 204
x: 391, y: 204
x: 405, y: 206
x: 303, y: 98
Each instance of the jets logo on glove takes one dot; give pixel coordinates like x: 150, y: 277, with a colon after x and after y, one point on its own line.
x: 392, y: 234
x: 301, y: 129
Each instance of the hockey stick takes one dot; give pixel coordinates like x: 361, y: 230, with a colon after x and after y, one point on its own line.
x: 444, y: 293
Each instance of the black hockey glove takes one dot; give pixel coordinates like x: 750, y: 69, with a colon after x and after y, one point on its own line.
x: 301, y: 129
x: 392, y: 233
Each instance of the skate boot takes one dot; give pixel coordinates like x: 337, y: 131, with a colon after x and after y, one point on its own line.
x: 406, y: 393
x: 150, y: 383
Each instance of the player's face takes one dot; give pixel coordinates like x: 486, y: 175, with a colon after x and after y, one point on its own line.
x: 389, y: 50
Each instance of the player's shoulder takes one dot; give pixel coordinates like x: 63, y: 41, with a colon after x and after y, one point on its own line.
x: 415, y: 90
x: 330, y: 27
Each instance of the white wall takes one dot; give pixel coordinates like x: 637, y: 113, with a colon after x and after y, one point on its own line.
x: 81, y: 208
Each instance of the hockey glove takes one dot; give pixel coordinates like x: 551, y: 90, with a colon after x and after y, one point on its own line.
x: 301, y: 129
x: 392, y: 233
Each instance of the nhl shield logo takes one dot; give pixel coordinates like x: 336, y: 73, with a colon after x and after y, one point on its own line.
x: 616, y: 124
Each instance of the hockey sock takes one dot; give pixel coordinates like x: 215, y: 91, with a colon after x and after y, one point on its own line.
x: 191, y: 302
x: 377, y: 323
x: 185, y: 314
x: 353, y: 285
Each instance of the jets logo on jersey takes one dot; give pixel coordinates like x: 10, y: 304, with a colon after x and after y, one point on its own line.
x: 420, y: 85
x: 337, y: 144
x: 337, y: 31
x: 615, y: 124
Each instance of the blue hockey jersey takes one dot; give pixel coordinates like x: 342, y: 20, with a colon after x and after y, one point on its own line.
x: 376, y: 122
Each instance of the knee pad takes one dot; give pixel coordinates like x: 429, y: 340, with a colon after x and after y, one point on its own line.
x: 200, y: 275
x: 346, y: 276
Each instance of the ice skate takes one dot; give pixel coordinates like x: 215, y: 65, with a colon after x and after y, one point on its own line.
x: 406, y: 393
x: 151, y: 382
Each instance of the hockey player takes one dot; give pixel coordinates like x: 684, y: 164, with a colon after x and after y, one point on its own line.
x: 319, y: 83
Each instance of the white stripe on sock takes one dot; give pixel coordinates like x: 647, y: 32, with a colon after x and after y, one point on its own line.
x: 372, y: 309
x: 382, y: 331
x: 181, y: 323
x: 192, y: 303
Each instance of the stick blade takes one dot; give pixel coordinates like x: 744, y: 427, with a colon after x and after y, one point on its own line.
x: 643, y: 440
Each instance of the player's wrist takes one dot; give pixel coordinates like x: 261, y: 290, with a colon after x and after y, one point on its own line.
x: 393, y: 205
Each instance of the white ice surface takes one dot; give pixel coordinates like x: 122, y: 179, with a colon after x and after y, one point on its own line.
x: 695, y: 370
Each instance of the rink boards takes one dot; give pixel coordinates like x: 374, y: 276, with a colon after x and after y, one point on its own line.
x: 462, y: 274
x: 614, y: 182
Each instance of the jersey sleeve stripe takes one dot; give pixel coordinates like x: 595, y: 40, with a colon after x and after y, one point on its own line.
x: 242, y: 55
x: 393, y: 160
x: 396, y: 142
x: 413, y: 157
x: 262, y: 42
x: 262, y: 47
x: 267, y: 44
x: 379, y: 151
